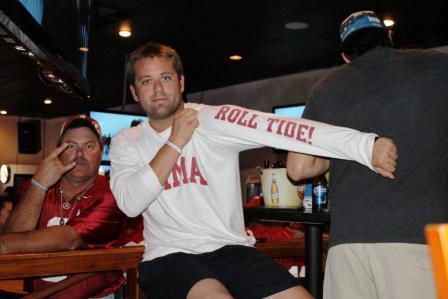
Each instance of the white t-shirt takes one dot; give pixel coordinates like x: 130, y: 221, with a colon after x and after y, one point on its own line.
x: 199, y: 209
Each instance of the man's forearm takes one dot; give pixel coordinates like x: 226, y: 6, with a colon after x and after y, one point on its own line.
x: 163, y: 162
x: 25, y: 215
x: 300, y: 166
x: 56, y: 238
x: 134, y: 186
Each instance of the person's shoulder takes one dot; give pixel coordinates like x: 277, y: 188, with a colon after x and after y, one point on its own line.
x: 101, y: 184
x: 422, y: 54
x: 203, y: 109
x: 333, y: 73
x: 196, y: 106
x: 422, y: 62
x: 132, y: 133
x: 102, y: 187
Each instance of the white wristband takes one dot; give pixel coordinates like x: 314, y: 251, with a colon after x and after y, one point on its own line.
x: 174, y: 147
x: 38, y: 186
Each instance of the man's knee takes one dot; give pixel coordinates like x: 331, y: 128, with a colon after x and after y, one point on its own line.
x: 297, y: 292
x: 208, y: 288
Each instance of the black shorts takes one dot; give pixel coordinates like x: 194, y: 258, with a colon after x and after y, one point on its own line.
x: 244, y: 271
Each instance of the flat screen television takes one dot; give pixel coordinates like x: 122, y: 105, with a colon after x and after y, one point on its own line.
x: 113, y: 122
x: 294, y: 111
x: 104, y: 170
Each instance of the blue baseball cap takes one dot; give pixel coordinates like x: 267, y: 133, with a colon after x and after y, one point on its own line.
x: 359, y: 20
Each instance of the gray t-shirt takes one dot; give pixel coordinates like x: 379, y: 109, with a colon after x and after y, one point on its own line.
x: 403, y: 95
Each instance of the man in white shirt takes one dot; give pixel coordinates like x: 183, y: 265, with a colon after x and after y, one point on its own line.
x: 180, y: 170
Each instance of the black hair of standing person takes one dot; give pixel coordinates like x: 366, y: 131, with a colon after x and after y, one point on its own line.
x: 365, y: 40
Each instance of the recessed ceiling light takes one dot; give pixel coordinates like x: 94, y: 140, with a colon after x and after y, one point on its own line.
x: 19, y: 48
x: 3, y: 112
x: 236, y: 57
x: 83, y: 49
x: 296, y: 25
x: 125, y: 33
x: 47, y: 101
x: 388, y: 22
x: 9, y: 40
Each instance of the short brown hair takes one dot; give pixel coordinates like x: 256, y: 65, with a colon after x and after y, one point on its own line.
x: 152, y: 50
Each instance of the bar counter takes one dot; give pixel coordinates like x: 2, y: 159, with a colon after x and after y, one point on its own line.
x: 81, y: 263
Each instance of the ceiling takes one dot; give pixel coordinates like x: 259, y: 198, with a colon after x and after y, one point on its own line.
x: 205, y: 33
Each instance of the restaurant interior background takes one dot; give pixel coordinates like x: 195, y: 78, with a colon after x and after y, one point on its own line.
x: 70, y: 52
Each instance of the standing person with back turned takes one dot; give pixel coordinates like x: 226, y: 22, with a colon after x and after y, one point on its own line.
x: 376, y: 237
x: 69, y: 206
x: 180, y: 170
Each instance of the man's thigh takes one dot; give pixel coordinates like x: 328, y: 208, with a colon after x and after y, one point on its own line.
x: 403, y: 271
x: 346, y: 274
x: 172, y: 276
x: 243, y: 270
x: 248, y: 274
x: 378, y: 271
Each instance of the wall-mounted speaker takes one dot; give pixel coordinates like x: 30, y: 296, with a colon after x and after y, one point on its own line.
x: 29, y: 136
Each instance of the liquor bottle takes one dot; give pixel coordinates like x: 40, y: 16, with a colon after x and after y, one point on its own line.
x: 278, y: 164
x: 267, y: 164
x: 274, y: 191
x: 320, y: 202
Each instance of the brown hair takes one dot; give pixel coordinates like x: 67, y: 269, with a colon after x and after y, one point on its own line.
x: 152, y: 50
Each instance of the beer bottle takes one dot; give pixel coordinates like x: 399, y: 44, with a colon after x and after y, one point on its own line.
x: 320, y: 201
x: 274, y: 191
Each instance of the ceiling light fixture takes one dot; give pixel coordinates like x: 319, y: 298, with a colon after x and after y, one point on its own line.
x: 236, y: 57
x: 125, y: 33
x: 19, y: 48
x: 83, y: 49
x: 388, y: 22
x: 296, y: 25
x: 50, y: 79
x: 125, y: 29
x: 47, y: 101
x: 9, y: 40
x: 4, y: 112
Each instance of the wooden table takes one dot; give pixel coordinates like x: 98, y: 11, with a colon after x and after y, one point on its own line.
x: 313, y: 224
x: 80, y: 262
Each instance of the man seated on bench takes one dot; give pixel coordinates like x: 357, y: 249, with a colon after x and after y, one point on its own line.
x: 69, y: 206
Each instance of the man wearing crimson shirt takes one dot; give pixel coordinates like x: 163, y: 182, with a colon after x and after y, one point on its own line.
x: 69, y: 206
